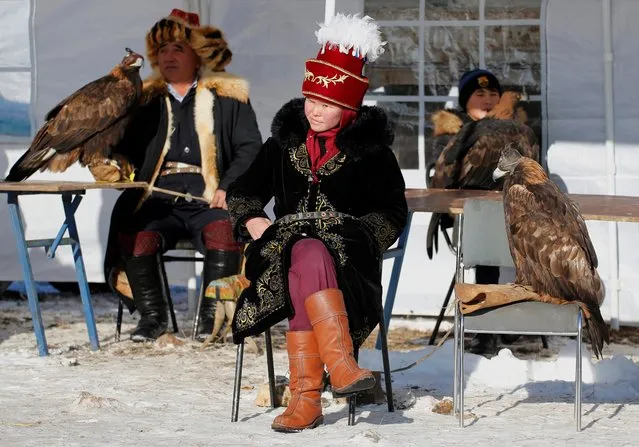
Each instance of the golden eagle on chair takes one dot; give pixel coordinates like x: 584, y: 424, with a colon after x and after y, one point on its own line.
x: 469, y: 159
x: 86, y: 126
x: 549, y: 241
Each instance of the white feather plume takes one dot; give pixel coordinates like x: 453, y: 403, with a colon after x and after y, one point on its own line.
x: 352, y: 32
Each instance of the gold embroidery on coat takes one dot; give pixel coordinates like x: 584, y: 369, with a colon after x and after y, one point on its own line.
x: 385, y: 233
x: 302, y: 162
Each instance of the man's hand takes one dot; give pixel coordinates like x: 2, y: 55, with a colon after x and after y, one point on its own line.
x: 257, y: 226
x: 219, y: 200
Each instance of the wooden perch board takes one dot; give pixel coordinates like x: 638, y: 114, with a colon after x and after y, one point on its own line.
x: 49, y: 186
x: 473, y: 297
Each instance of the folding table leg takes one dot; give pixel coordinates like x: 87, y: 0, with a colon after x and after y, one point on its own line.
x: 27, y: 273
x: 69, y: 211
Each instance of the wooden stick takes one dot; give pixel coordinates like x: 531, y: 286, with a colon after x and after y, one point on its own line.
x: 177, y: 194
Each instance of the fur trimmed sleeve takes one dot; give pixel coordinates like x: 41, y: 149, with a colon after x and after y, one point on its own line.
x: 247, y: 196
x: 387, y: 208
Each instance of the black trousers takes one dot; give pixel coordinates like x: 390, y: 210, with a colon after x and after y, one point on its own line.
x: 175, y: 220
x: 485, y: 274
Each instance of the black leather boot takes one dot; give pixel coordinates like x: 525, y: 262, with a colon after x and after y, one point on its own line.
x: 147, y: 284
x: 217, y: 264
x: 482, y: 344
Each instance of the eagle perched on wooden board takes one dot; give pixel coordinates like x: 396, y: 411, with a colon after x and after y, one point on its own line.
x: 86, y: 126
x: 469, y: 159
x: 549, y: 241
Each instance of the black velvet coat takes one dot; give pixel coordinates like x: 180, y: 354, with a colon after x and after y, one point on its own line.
x: 363, y: 181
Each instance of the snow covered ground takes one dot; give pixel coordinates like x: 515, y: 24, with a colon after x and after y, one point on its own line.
x: 131, y: 394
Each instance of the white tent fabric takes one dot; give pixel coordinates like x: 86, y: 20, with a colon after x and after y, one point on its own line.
x: 576, y: 104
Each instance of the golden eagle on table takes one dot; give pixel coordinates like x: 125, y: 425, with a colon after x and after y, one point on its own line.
x: 469, y: 159
x: 86, y: 126
x: 549, y: 241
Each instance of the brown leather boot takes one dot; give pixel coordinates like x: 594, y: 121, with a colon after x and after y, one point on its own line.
x: 327, y: 313
x: 307, y: 370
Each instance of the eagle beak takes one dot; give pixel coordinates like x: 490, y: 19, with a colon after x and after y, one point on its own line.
x: 498, y: 173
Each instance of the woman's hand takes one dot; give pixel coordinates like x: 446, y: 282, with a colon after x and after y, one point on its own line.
x: 256, y: 226
x: 219, y: 199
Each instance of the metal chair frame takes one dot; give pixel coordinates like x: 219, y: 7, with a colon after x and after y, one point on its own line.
x: 474, y: 325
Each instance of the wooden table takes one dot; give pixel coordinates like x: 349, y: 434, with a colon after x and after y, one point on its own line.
x: 71, y: 194
x: 592, y: 207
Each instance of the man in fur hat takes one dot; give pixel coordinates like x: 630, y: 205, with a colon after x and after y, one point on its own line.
x: 195, y: 133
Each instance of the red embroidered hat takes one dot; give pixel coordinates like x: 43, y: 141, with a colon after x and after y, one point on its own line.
x: 335, y: 75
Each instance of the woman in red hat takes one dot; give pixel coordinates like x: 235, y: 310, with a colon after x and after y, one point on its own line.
x: 195, y: 133
x: 339, y: 203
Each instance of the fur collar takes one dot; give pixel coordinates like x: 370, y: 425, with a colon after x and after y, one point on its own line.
x: 369, y: 133
x: 224, y: 84
x: 448, y: 122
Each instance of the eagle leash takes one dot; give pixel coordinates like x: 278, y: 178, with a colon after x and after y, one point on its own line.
x: 428, y: 354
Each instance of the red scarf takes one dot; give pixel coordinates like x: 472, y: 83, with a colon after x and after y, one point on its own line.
x: 313, y: 145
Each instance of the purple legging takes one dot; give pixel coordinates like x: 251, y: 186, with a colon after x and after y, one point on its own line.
x: 312, y: 269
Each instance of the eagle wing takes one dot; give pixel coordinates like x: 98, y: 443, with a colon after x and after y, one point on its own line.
x: 549, y: 242
x: 552, y: 250
x: 90, y: 110
x: 468, y: 161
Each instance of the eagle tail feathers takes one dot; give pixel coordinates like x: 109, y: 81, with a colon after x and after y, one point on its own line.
x: 28, y: 164
x: 432, y: 236
x: 597, y: 331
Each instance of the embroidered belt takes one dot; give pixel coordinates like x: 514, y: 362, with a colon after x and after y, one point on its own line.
x: 177, y: 167
x: 311, y: 216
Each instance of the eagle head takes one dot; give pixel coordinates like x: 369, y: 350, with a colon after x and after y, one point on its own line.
x: 508, y: 161
x: 132, y: 59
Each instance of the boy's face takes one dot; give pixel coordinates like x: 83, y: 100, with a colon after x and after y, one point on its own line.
x: 482, y: 101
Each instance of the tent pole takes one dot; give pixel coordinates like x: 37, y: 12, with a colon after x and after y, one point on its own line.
x: 329, y: 10
x: 611, y: 168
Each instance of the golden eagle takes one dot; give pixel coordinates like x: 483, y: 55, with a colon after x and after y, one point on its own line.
x: 86, y: 126
x: 469, y: 159
x: 549, y: 241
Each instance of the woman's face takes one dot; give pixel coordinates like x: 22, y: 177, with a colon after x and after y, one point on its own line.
x: 481, y: 102
x: 178, y: 62
x: 322, y: 116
